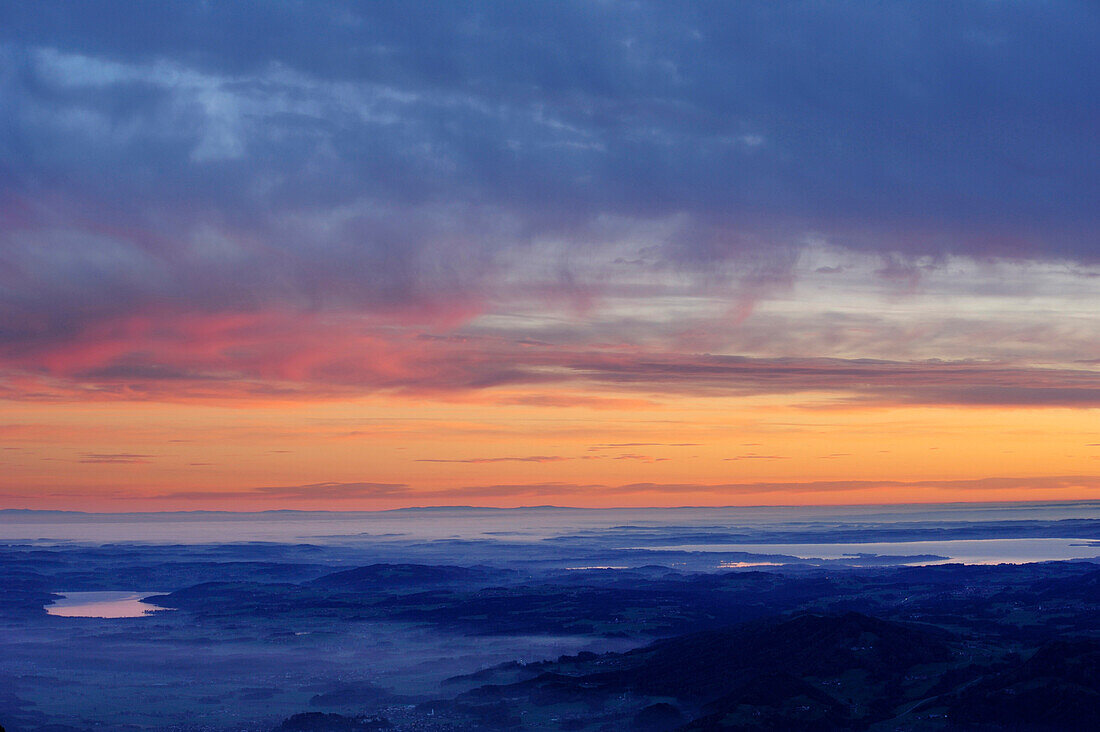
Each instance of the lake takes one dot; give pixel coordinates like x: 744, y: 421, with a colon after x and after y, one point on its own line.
x: 966, y: 551
x: 983, y: 533
x: 102, y: 605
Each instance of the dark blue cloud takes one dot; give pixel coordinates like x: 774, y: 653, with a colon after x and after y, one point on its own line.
x: 951, y: 125
x: 231, y: 155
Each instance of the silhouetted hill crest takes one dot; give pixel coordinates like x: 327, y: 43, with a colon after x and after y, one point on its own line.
x: 384, y: 576
x: 1058, y: 688
x: 703, y: 665
x: 774, y: 701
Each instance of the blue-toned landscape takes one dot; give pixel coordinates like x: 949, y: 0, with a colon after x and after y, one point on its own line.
x: 551, y: 618
x: 549, y: 365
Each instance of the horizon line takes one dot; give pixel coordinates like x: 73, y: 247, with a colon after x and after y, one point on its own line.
x: 456, y: 507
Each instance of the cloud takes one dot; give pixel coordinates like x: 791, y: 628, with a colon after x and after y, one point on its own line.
x: 562, y: 493
x: 114, y: 457
x: 753, y: 456
x: 262, y: 202
x: 556, y: 401
x: 279, y: 357
x: 524, y: 459
x: 800, y: 488
x: 608, y: 445
x: 546, y: 458
x: 309, y: 491
x: 716, y: 111
x: 867, y: 381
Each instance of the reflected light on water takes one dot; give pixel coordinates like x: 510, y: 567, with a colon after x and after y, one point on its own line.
x: 102, y: 605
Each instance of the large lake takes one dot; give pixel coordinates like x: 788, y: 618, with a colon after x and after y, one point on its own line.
x: 965, y: 551
x: 982, y: 532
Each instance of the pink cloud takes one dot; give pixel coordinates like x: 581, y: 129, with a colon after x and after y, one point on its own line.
x: 288, y: 355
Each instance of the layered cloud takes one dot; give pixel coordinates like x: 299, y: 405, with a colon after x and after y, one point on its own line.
x: 431, y: 162
x: 240, y: 358
x: 547, y: 206
x: 733, y: 492
x: 961, y: 128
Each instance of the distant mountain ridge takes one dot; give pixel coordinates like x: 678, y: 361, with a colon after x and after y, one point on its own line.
x: 203, y: 513
x: 898, y: 507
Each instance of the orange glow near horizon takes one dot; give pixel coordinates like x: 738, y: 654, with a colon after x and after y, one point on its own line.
x: 387, y: 264
x: 496, y: 449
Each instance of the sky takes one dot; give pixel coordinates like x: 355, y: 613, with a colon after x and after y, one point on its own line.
x: 330, y: 255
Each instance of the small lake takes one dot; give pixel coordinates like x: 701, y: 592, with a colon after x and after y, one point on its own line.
x: 102, y: 605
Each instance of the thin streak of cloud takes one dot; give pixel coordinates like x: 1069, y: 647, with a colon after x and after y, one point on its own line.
x: 114, y: 458
x: 758, y: 457
x: 524, y: 459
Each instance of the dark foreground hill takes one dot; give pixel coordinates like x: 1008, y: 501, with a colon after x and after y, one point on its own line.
x: 1058, y: 688
x: 774, y: 701
x: 809, y: 672
x: 322, y: 722
x: 702, y: 665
